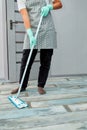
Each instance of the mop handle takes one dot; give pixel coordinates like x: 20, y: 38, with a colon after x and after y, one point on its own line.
x: 29, y: 57
x: 47, y: 2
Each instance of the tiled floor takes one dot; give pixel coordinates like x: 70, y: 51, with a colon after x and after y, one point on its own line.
x: 63, y: 107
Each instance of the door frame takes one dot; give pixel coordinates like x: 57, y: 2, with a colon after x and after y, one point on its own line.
x: 11, y: 41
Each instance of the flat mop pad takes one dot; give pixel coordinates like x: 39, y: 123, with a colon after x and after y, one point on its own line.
x: 17, y: 102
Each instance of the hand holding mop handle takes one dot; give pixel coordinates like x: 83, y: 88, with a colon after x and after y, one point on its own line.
x: 47, y: 2
x: 29, y: 57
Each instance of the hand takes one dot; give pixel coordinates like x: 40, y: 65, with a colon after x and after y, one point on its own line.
x: 31, y: 37
x: 46, y: 9
x: 32, y: 41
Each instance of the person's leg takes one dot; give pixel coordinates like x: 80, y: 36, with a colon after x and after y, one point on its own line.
x: 23, y: 64
x: 45, y: 61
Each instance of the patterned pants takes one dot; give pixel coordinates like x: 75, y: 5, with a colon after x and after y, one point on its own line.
x: 45, y: 62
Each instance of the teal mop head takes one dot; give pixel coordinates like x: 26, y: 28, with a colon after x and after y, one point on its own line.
x: 18, y: 102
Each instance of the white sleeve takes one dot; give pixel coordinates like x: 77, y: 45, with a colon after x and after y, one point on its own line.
x: 21, y: 4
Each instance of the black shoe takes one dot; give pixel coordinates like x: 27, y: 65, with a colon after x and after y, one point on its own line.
x: 14, y: 91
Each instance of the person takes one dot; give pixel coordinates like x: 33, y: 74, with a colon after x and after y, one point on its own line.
x: 46, y: 42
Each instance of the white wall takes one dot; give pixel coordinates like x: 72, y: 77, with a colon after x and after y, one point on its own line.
x: 70, y: 58
x: 3, y: 46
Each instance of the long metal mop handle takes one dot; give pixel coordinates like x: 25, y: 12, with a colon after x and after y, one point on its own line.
x: 47, y: 2
x: 29, y: 57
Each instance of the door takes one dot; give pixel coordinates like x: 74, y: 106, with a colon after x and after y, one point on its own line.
x: 16, y: 33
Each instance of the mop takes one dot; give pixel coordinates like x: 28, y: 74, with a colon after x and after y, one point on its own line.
x: 15, y: 100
